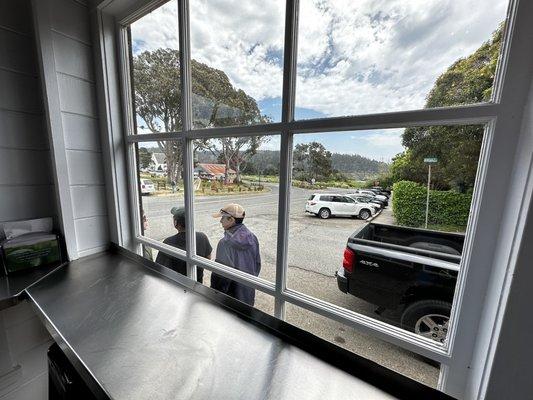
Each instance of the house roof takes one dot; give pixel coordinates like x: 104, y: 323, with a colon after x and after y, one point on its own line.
x: 159, y: 158
x: 216, y: 169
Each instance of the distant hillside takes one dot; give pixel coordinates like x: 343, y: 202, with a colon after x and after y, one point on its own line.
x: 267, y: 162
x: 357, y: 166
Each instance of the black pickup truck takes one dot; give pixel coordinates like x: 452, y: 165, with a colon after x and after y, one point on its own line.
x: 413, y: 270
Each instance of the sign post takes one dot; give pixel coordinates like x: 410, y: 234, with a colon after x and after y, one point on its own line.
x: 429, y: 161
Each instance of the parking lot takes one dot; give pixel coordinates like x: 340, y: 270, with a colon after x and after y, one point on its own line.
x: 315, y: 252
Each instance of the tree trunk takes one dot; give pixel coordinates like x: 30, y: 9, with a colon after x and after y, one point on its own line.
x: 238, y: 172
x: 226, y: 170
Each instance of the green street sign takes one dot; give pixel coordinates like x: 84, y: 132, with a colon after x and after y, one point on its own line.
x: 430, y: 160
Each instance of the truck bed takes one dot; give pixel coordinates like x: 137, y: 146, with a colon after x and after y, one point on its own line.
x: 445, y: 246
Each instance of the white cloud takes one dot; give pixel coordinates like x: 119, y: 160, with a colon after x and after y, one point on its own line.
x: 384, y: 55
x: 159, y: 29
x: 390, y: 138
x: 354, y: 57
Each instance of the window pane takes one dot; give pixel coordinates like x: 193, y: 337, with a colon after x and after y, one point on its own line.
x: 156, y: 86
x: 341, y: 252
x: 368, y: 57
x: 244, y: 172
x: 160, y: 171
x: 263, y: 301
x: 383, y: 353
x: 237, y: 62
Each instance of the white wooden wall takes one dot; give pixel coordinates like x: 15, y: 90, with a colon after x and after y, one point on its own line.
x: 64, y: 40
x: 26, y: 182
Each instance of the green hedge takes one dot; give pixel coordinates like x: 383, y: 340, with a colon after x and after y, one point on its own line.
x: 446, y: 208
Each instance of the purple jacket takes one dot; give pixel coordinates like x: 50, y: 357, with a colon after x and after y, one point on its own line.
x: 239, y: 248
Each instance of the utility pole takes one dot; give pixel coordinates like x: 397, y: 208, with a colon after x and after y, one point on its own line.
x: 427, y: 199
x: 429, y: 161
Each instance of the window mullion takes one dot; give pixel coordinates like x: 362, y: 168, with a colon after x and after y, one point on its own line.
x: 287, y: 115
x: 186, y: 122
x: 126, y: 66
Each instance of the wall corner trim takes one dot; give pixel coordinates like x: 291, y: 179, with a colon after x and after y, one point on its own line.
x: 54, y: 124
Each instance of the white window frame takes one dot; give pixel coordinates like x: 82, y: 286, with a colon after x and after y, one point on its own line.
x: 502, y: 117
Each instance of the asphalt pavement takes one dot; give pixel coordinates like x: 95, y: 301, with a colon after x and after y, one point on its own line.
x: 316, y: 248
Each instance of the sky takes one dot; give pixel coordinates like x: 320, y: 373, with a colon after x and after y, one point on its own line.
x: 354, y: 57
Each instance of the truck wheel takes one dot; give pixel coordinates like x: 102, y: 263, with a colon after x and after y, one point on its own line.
x: 428, y: 318
x: 365, y: 214
x: 324, y: 213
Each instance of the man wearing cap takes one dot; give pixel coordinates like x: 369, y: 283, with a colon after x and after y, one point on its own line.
x: 239, y: 248
x: 203, y: 247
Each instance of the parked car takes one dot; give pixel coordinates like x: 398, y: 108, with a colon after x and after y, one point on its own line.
x: 379, y: 192
x: 372, y: 193
x: 147, y: 186
x: 325, y: 205
x: 377, y: 204
x: 383, y: 191
x: 369, y: 193
x: 371, y: 199
x: 206, y: 176
x: 407, y: 269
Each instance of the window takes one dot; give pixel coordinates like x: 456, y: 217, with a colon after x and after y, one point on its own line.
x: 344, y: 75
x: 155, y: 72
x: 236, y: 62
x: 364, y: 57
x: 393, y: 269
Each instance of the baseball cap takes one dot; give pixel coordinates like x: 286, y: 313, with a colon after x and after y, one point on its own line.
x: 178, y: 212
x: 233, y: 210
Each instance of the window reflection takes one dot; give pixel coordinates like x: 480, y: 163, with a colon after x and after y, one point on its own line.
x: 156, y: 86
x: 237, y: 62
x: 369, y: 57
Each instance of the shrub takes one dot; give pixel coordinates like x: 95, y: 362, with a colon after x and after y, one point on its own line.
x: 447, y: 208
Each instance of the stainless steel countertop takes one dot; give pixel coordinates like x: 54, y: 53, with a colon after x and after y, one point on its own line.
x: 141, y: 335
x: 12, y: 287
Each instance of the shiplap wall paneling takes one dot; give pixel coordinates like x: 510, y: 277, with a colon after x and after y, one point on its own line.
x: 25, y: 167
x: 20, y: 92
x: 21, y: 131
x: 79, y: 132
x: 92, y: 234
x: 26, y: 181
x: 73, y: 57
x: 89, y: 201
x: 14, y: 48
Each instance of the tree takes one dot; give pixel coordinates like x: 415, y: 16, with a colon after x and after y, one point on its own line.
x: 244, y: 152
x: 405, y: 167
x: 264, y: 162
x: 468, y: 81
x: 312, y: 160
x: 234, y: 152
x: 145, y: 157
x: 156, y: 76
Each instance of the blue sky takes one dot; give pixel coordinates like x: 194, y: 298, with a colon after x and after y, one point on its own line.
x: 380, y: 145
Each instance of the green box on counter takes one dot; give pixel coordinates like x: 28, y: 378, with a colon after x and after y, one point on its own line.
x: 30, y: 251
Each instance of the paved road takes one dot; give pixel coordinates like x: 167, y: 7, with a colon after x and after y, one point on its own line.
x: 315, y: 253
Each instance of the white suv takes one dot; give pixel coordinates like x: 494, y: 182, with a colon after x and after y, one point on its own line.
x: 147, y: 186
x: 325, y: 205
